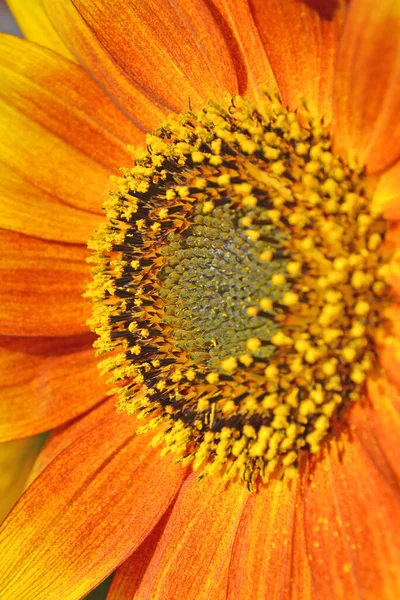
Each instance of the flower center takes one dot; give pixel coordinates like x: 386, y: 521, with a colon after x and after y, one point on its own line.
x: 238, y: 286
x: 213, y: 284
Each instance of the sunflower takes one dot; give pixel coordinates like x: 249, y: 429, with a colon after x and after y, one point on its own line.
x: 243, y: 276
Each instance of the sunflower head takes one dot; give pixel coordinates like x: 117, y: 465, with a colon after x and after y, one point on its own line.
x: 238, y: 286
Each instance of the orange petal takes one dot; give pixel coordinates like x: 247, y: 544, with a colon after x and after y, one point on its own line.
x: 301, y: 38
x: 58, y: 131
x: 35, y: 25
x: 16, y: 461
x: 46, y: 382
x: 173, y: 53
x: 252, y: 66
x: 65, y: 435
x: 366, y: 100
x: 194, y: 551
x: 87, y: 512
x: 378, y: 422
x: 129, y: 575
x: 352, y: 525
x: 269, y: 552
x: 42, y: 287
x: 387, y: 193
x: 28, y: 209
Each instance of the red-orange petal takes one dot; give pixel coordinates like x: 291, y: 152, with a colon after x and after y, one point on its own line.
x: 269, y: 552
x: 42, y: 287
x: 252, y: 66
x: 378, y: 422
x: 152, y: 56
x: 58, y: 131
x: 352, y: 524
x: 192, y: 558
x: 86, y: 513
x: 129, y: 575
x: 366, y: 123
x: 46, y: 382
x: 300, y: 38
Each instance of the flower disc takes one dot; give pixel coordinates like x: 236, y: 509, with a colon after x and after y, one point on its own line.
x: 238, y: 286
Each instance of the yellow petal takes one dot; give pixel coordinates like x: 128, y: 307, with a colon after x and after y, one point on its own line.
x: 16, y: 461
x: 35, y: 25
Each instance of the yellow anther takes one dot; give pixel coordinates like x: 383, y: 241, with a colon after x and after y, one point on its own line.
x: 312, y: 355
x: 379, y: 288
x: 274, y: 215
x: 250, y: 201
x: 266, y: 304
x: 301, y: 149
x: 198, y: 157
x: 253, y: 234
x: 293, y: 268
x: 163, y: 213
x: 330, y: 335
x: 374, y: 241
x: 243, y: 189
x: 278, y: 279
x: 270, y: 401
x: 212, y: 378
x: 252, y: 311
x: 278, y: 168
x: 249, y: 431
x: 357, y: 279
x: 290, y: 299
x: 223, y: 180
x: 266, y: 256
x: 358, y: 376
x: 326, y: 158
x: 340, y: 263
x: 156, y: 227
x: 246, y: 359
x: 329, y: 368
x: 215, y: 160
x: 349, y: 354
x: 280, y: 339
x: 333, y: 296
x: 301, y: 345
x: 357, y: 330
x: 322, y: 423
x: 208, y: 206
x: 183, y: 191
x: 246, y: 221
x: 229, y: 407
x: 289, y: 458
x: 229, y: 364
x: 271, y: 372
x: 203, y: 404
x: 362, y: 308
x: 253, y: 344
